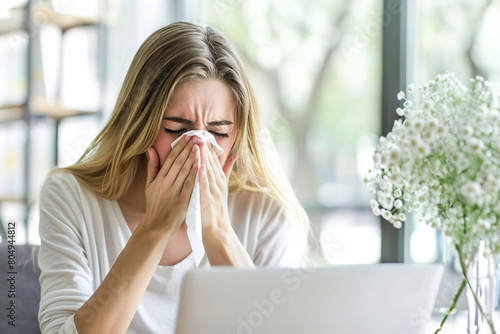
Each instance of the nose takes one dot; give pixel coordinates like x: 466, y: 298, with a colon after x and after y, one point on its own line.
x: 200, y: 122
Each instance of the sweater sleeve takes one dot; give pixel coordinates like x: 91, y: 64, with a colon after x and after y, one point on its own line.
x: 65, y: 276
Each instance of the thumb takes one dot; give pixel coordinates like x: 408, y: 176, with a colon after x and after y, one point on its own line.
x: 228, y: 166
x: 153, y: 165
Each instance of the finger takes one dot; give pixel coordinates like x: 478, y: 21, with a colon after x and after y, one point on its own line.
x: 186, y: 168
x: 204, y: 187
x: 178, y: 154
x: 216, y: 165
x: 209, y: 167
x: 188, y: 185
x: 228, y: 166
x: 153, y: 165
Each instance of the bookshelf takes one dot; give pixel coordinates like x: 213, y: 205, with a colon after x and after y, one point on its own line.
x: 11, y: 113
x: 44, y: 45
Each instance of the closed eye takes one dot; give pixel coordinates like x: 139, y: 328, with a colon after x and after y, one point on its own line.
x: 175, y: 132
x: 181, y: 131
x: 221, y: 135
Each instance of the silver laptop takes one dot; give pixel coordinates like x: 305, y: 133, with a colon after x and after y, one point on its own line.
x: 378, y: 299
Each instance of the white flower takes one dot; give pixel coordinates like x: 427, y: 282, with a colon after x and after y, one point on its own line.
x: 467, y: 131
x: 474, y: 145
x: 384, y: 157
x: 418, y: 125
x: 484, y: 223
x: 492, y: 183
x: 494, y: 117
x: 455, y: 157
x: 394, y: 155
x: 440, y: 129
x: 396, y: 179
x: 421, y: 198
x: 427, y: 105
x: 388, y: 204
x: 471, y: 190
x: 408, y: 124
x: 423, y: 150
x: 413, y: 142
x: 479, y: 119
x: 451, y: 147
x: 380, y: 196
x: 432, y: 125
x: 483, y: 109
x: 385, y: 185
x: 442, y: 158
x: 372, y: 190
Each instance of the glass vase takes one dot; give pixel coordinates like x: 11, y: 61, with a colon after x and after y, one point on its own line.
x: 483, y: 276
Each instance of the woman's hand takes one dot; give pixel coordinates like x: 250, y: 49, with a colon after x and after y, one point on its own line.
x: 169, y: 188
x: 221, y: 242
x: 213, y: 187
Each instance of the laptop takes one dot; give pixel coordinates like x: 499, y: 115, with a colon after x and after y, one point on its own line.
x: 378, y: 299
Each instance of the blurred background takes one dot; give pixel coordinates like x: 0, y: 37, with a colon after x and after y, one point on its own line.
x: 326, y: 75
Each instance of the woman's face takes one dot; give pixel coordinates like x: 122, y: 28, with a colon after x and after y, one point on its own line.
x: 203, y: 104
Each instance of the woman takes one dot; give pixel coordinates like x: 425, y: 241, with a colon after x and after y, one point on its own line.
x: 114, y: 243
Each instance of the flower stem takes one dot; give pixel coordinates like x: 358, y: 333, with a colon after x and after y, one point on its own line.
x: 464, y: 272
x: 452, y: 306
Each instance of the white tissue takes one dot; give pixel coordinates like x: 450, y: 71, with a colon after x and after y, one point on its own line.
x: 193, y: 215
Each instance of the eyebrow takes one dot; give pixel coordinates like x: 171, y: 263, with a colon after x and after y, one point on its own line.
x: 187, y: 121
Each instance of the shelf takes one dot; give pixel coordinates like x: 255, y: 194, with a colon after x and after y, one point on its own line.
x: 64, y: 21
x: 15, y: 22
x: 55, y: 110
x: 11, y: 113
x: 11, y: 199
x: 31, y: 201
x: 42, y: 13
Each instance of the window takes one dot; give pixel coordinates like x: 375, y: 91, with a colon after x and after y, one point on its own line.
x: 316, y: 69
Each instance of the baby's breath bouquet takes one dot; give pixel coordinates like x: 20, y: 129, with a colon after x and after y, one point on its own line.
x: 442, y: 160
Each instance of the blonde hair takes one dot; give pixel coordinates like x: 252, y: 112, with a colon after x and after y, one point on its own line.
x: 174, y: 54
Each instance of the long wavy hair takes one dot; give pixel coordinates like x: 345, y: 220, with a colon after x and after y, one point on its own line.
x: 174, y: 54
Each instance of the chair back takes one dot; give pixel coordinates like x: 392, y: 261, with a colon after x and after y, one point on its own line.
x: 19, y: 288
